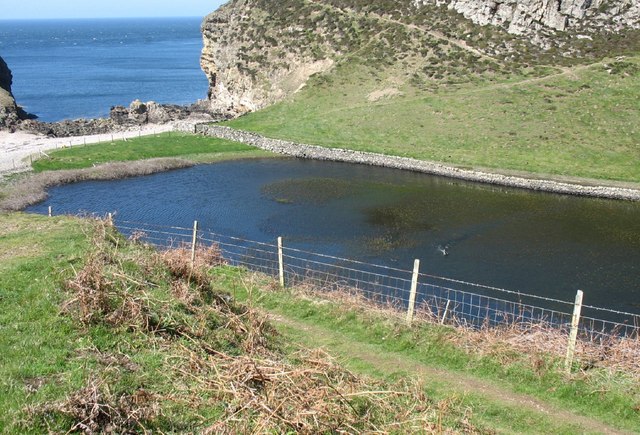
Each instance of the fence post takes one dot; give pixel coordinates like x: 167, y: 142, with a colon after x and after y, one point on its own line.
x: 193, y: 242
x: 414, y: 288
x: 446, y: 311
x: 280, y: 262
x: 573, y: 335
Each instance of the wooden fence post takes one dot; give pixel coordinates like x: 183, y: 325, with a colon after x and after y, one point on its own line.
x: 280, y: 262
x: 194, y: 242
x: 414, y: 288
x: 573, y: 335
x: 446, y: 311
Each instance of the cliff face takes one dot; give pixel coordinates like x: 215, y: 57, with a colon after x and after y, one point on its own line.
x: 8, y: 108
x: 531, y: 16
x: 258, y: 52
x: 10, y: 113
x: 247, y: 60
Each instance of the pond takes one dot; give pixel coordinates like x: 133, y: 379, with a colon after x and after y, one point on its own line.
x: 545, y: 244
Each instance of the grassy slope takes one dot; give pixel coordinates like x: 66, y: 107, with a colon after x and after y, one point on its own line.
x: 394, y: 349
x: 52, y: 355
x: 578, y: 122
x: 191, y: 147
x: 35, y: 343
x: 133, y: 344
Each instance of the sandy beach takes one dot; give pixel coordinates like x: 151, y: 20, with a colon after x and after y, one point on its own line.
x: 19, y: 148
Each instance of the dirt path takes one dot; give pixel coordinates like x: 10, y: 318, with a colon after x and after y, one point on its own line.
x: 390, y: 363
x: 434, y: 33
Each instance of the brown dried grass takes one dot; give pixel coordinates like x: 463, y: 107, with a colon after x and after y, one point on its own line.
x: 95, y: 409
x: 32, y: 189
x: 316, y: 395
x: 263, y: 391
x: 539, y: 343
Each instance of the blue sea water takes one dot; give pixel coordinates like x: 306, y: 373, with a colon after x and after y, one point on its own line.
x: 67, y: 69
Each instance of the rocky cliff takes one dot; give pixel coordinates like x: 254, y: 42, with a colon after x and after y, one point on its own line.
x: 8, y: 107
x: 531, y: 16
x: 253, y: 57
x: 258, y: 52
x: 11, y: 115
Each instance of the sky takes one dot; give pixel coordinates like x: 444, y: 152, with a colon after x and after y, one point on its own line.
x: 43, y: 9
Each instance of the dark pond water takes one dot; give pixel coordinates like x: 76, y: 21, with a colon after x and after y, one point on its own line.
x: 548, y: 245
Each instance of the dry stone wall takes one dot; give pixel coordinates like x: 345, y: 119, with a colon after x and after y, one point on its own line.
x: 373, y: 159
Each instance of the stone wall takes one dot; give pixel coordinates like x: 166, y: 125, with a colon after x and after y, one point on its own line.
x: 373, y: 159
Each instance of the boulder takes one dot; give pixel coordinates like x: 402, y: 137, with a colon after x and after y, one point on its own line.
x: 138, y: 112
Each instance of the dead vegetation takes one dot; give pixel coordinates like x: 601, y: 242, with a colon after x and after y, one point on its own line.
x: 29, y: 190
x: 539, y: 344
x: 218, y: 355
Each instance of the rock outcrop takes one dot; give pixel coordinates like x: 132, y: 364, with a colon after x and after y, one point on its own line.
x: 139, y: 113
x: 247, y: 58
x: 258, y: 52
x: 531, y: 16
x: 10, y: 113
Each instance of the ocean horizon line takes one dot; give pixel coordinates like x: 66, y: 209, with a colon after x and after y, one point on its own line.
x: 104, y: 18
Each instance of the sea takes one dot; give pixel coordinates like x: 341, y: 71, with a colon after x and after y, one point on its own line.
x: 69, y: 69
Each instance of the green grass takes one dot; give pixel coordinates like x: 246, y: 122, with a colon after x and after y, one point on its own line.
x: 192, y: 147
x: 36, y: 343
x: 53, y: 354
x: 579, y: 124
x: 119, y: 339
x: 616, y: 402
x: 47, y: 355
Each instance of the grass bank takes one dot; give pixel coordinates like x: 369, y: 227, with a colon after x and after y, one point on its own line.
x: 120, y: 159
x: 108, y: 336
x: 107, y: 333
x: 574, y: 122
x: 190, y: 147
x: 506, y: 366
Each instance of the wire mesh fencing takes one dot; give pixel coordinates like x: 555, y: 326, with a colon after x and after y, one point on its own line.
x: 440, y: 299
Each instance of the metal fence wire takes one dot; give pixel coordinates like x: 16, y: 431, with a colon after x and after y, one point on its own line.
x: 445, y: 299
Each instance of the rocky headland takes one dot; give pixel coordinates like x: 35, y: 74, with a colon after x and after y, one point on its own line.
x: 259, y: 52
x: 11, y: 115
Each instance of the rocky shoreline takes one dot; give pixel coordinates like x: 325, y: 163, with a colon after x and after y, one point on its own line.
x: 343, y: 155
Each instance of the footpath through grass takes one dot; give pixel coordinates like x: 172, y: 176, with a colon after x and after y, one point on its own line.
x: 500, y: 384
x: 192, y: 147
x: 99, y: 334
x: 579, y: 122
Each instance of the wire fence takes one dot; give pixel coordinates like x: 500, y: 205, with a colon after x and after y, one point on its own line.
x: 439, y: 298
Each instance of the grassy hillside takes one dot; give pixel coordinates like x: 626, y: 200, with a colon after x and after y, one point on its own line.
x: 428, y: 83
x: 578, y: 122
x: 109, y: 335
